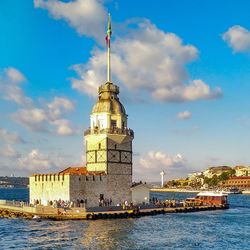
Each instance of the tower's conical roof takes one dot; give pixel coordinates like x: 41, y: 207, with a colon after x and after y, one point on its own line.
x: 108, y: 100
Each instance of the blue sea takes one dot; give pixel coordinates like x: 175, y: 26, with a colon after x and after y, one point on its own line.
x: 226, y: 229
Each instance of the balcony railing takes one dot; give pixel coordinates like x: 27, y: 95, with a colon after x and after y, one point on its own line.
x: 120, y: 131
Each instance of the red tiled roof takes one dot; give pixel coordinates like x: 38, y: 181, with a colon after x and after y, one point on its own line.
x: 75, y: 171
x: 239, y: 177
x: 80, y: 171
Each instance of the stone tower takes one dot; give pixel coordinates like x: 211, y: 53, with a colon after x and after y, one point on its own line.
x: 109, y: 140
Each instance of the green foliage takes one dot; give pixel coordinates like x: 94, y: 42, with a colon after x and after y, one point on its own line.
x: 216, y: 180
x: 172, y: 183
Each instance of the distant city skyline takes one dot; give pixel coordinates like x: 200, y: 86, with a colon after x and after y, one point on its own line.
x: 182, y: 68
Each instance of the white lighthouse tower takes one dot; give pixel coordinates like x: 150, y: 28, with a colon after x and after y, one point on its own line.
x: 162, y: 173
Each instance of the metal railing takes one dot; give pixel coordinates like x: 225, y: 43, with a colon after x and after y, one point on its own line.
x: 120, y: 131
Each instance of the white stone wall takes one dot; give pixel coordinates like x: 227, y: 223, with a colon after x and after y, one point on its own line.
x: 81, y: 187
x: 45, y: 188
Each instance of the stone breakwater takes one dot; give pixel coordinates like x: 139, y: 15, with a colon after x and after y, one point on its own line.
x: 105, y: 214
x: 6, y: 213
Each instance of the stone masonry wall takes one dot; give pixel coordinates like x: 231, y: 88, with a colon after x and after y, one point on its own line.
x: 45, y: 188
x: 118, y: 187
x: 88, y: 187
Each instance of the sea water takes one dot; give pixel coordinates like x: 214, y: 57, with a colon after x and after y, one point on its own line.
x: 221, y: 229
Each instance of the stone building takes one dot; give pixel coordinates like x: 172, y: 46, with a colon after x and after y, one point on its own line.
x: 242, y: 170
x: 241, y: 182
x: 108, y: 171
x: 140, y: 193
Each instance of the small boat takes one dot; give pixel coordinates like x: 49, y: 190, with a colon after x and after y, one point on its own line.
x: 233, y: 190
x: 36, y: 218
x: 210, y: 198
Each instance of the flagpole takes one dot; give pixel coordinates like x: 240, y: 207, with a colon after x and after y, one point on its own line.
x: 109, y: 80
x: 109, y: 50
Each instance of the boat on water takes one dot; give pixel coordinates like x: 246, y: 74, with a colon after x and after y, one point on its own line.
x: 209, y: 198
x: 233, y: 190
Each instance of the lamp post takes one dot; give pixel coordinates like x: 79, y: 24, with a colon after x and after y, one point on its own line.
x: 162, y: 173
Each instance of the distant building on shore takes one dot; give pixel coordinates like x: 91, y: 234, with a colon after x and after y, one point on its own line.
x: 242, y: 170
x: 238, y: 181
x: 210, y: 172
x: 140, y: 193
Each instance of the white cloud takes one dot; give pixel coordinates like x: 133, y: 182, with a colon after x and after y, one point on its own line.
x: 88, y: 17
x: 15, y: 75
x: 10, y: 137
x: 59, y: 106
x: 184, y: 115
x: 238, y: 38
x: 146, y: 60
x: 63, y: 127
x: 10, y: 79
x: 35, y: 160
x: 34, y: 119
x: 31, y: 117
x: 41, y: 119
x: 150, y: 165
x: 9, y: 153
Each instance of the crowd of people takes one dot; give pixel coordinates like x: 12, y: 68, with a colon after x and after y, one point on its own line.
x: 64, y: 204
x: 164, y: 203
x: 105, y: 202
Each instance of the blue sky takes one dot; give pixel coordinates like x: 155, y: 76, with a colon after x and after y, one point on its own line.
x: 182, y: 66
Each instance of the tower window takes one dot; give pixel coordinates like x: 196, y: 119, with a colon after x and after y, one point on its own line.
x: 99, y: 146
x: 113, y: 124
x: 115, y: 146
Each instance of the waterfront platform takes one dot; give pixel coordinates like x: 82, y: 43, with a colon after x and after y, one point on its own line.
x: 14, y: 210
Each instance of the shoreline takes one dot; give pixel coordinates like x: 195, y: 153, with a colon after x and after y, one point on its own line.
x: 246, y: 192
x: 175, y: 190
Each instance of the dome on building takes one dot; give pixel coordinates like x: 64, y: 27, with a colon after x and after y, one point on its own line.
x: 108, y: 100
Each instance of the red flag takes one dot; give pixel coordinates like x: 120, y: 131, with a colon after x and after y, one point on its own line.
x: 107, y: 38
